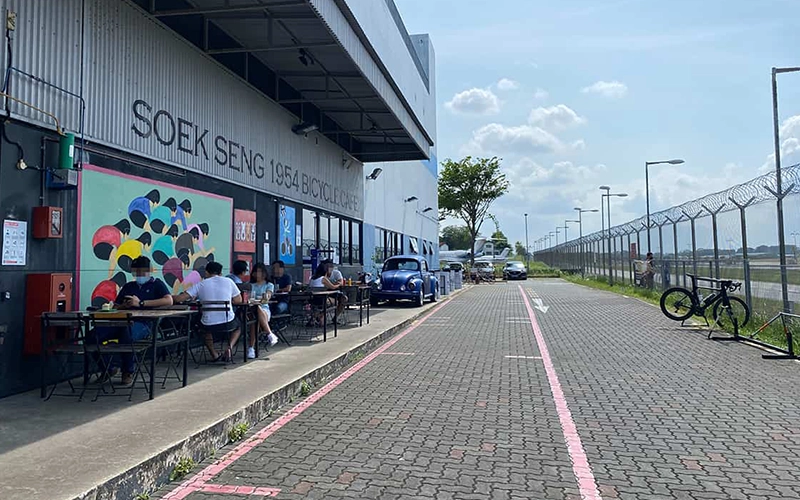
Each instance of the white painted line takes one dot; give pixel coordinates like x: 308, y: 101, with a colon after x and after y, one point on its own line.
x: 587, y: 485
x: 397, y: 353
x: 524, y: 357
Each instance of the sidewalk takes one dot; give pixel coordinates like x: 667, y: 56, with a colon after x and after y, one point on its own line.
x: 63, y: 449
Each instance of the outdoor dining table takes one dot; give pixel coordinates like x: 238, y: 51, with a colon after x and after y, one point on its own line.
x: 155, y: 317
x: 309, y: 296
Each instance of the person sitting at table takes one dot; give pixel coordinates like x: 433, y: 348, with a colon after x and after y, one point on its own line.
x: 144, y: 291
x: 335, y: 276
x: 262, y: 290
x: 216, y: 288
x: 321, y: 280
x: 283, y: 284
x: 239, y: 274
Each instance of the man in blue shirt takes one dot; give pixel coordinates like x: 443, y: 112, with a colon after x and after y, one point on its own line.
x: 283, y: 284
x: 144, y: 291
x: 239, y: 273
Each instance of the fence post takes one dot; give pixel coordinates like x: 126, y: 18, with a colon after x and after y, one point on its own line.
x: 630, y: 262
x: 694, y: 239
x: 714, y: 234
x: 748, y: 297
x: 675, y: 249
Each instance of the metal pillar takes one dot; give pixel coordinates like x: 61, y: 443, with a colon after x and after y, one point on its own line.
x: 714, y: 235
x: 694, y: 239
x: 748, y: 296
x: 630, y: 262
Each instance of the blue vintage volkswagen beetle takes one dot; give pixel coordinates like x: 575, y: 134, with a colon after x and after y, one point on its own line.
x: 405, y: 277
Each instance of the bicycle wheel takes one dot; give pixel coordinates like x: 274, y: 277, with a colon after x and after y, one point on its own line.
x: 739, y: 311
x: 677, y: 304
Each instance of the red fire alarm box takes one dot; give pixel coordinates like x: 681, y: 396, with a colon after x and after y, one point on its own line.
x: 48, y: 222
x: 51, y: 292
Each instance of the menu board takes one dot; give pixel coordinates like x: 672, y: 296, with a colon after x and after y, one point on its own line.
x: 15, y: 242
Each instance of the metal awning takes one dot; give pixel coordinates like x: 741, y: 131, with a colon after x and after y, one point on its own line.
x: 286, y: 50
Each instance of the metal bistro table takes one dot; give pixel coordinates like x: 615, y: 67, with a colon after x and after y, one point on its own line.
x: 155, y: 317
x: 361, y: 293
x: 308, y: 297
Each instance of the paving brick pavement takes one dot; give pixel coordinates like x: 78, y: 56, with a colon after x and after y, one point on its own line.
x: 461, y: 407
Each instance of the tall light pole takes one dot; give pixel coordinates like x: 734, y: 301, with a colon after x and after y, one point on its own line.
x: 778, y: 193
x: 580, y: 234
x: 647, y: 188
x: 526, y: 242
x: 608, y: 196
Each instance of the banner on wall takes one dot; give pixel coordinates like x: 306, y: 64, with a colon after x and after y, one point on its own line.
x: 122, y: 217
x: 286, y: 235
x: 244, y: 231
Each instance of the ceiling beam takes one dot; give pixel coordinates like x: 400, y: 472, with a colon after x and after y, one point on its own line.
x: 274, y: 48
x: 327, y: 99
x: 223, y: 10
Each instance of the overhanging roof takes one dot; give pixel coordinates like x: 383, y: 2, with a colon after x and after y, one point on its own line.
x: 287, y: 50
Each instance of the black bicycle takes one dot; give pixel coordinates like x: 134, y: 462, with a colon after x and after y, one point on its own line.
x: 680, y: 304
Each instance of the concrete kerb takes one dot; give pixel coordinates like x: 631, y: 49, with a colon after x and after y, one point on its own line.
x: 154, y: 472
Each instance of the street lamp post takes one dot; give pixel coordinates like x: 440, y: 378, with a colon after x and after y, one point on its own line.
x: 526, y: 242
x: 608, y: 196
x: 580, y: 236
x: 779, y: 193
x: 647, y: 188
x: 565, y: 236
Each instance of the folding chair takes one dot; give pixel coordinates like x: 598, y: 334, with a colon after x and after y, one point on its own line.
x: 170, y: 344
x: 217, y: 306
x: 63, y: 335
x: 104, y: 350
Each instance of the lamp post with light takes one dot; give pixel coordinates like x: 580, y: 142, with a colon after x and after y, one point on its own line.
x: 647, y: 188
x: 581, y: 211
x: 608, y: 196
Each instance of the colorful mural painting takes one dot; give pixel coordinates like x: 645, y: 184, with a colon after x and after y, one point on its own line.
x: 123, y: 217
x: 286, y: 233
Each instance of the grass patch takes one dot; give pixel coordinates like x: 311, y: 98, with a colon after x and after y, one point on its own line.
x: 142, y: 496
x: 184, y: 466
x: 538, y: 269
x: 773, y: 335
x: 238, y: 432
x: 305, y: 389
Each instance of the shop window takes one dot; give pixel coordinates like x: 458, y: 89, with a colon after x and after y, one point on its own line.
x: 380, y: 246
x: 324, y: 234
x: 309, y: 232
x: 335, y: 240
x: 355, y: 243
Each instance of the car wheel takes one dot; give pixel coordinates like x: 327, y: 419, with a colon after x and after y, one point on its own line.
x: 435, y: 296
x: 420, y: 298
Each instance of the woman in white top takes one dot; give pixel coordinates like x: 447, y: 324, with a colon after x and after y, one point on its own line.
x: 262, y: 290
x: 320, y: 280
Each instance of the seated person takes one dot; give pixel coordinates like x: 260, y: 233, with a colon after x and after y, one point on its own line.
x: 239, y: 274
x: 321, y: 281
x: 262, y: 290
x: 216, y: 288
x: 283, y: 284
x: 144, y: 291
x: 336, y: 278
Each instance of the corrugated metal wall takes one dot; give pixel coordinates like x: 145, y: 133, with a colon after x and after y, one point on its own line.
x: 129, y: 57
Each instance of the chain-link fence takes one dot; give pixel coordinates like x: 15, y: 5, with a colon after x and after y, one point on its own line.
x: 730, y: 234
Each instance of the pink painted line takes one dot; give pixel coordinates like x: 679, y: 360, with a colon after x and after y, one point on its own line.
x: 200, y: 481
x: 580, y: 463
x: 240, y: 490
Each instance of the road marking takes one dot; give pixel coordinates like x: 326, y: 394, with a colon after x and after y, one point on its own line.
x: 524, y: 357
x: 580, y: 463
x: 398, y: 353
x: 202, y: 479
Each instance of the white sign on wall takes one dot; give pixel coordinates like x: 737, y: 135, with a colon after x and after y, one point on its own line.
x: 15, y: 242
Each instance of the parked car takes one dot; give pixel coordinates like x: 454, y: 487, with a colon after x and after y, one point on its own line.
x: 457, y: 267
x: 515, y: 271
x: 405, y: 277
x: 483, y: 270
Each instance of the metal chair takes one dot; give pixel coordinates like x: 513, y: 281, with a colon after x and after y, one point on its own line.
x: 104, y: 350
x: 220, y: 306
x: 67, y: 341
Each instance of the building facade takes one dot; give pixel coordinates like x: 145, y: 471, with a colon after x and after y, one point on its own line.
x: 191, y: 132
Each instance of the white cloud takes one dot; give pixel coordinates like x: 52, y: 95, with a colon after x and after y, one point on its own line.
x: 507, y: 84
x: 790, y: 145
x: 559, y: 117
x: 540, y: 94
x: 474, y: 101
x: 498, y: 139
x: 612, y: 90
x: 579, y: 145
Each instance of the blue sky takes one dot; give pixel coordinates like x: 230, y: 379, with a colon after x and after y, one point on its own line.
x: 578, y: 93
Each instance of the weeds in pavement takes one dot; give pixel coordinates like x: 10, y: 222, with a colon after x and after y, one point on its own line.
x: 356, y: 357
x: 238, y: 432
x: 142, y: 496
x: 305, y: 389
x: 185, y: 464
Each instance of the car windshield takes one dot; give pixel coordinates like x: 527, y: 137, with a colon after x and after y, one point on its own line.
x: 514, y: 265
x: 401, y: 265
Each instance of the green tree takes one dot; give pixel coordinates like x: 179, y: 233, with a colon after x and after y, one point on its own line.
x: 519, y: 249
x: 500, y: 241
x: 456, y: 237
x: 467, y: 189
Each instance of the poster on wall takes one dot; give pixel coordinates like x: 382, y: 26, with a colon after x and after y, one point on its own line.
x: 286, y: 235
x: 122, y: 217
x: 244, y: 231
x: 15, y: 242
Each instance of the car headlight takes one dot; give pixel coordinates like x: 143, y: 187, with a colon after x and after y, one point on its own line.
x: 411, y: 285
x: 402, y: 288
x: 379, y: 285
